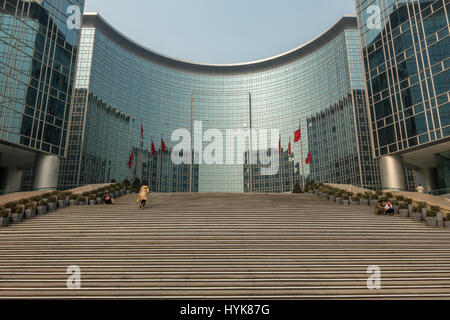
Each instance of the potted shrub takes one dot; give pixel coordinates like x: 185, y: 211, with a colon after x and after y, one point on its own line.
x: 35, y: 200
x: 410, y: 205
x: 439, y: 218
x: 73, y: 201
x: 403, y: 210
x: 61, y: 200
x: 423, y: 205
x: 345, y: 200
x: 296, y: 188
x: 338, y: 197
x: 355, y: 200
x: 373, y: 200
x: 389, y: 196
x: 30, y: 210
x: 92, y: 199
x: 86, y: 197
x: 447, y: 220
x: 9, y: 207
x: 67, y: 197
x: 395, y: 205
x: 4, y: 217
x: 430, y: 219
x: 99, y: 198
x: 364, y: 200
x: 51, y: 204
x: 17, y: 214
x: 42, y: 207
x: 379, y: 194
x: 81, y: 200
x: 332, y: 195
x: 417, y: 214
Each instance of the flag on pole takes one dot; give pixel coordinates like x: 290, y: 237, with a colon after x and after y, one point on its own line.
x: 163, y: 145
x: 153, y: 149
x: 279, y: 146
x: 142, y: 131
x: 308, y: 159
x: 289, y: 146
x: 297, y: 135
x: 130, y: 160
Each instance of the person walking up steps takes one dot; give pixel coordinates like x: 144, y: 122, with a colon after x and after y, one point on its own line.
x: 142, y: 197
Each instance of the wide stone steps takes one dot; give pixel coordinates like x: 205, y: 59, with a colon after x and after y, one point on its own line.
x: 220, y: 246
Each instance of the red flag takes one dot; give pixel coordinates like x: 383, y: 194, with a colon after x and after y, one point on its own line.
x: 130, y: 160
x: 308, y: 159
x: 163, y: 145
x: 279, y: 146
x: 142, y: 131
x: 297, y: 135
x: 153, y: 149
x: 290, y: 147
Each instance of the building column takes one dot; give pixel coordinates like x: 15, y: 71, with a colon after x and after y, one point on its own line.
x: 11, y: 180
x: 428, y: 178
x: 46, y: 172
x: 392, y: 173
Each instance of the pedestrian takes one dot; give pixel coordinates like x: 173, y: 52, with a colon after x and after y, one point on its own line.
x: 108, y: 199
x: 420, y: 189
x: 389, y: 208
x: 142, y: 197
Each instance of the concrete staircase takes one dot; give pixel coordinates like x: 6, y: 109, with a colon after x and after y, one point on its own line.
x: 221, y: 246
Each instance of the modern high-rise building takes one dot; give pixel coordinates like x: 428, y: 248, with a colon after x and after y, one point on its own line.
x: 128, y: 96
x: 38, y: 51
x: 406, y: 49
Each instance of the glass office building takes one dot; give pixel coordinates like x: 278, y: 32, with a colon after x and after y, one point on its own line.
x: 406, y: 48
x: 122, y: 87
x: 38, y: 54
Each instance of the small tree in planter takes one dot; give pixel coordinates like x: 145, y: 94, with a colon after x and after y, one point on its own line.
x: 73, y: 200
x: 92, y: 199
x: 4, y: 217
x: 439, y: 218
x: 410, y: 205
x: 447, y: 220
x: 136, y: 185
x: 9, y: 207
x: 423, y: 205
x: 338, y: 197
x: 99, y: 198
x: 81, y: 201
x: 389, y: 196
x: 42, y: 207
x: 296, y: 188
x: 364, y: 200
x: 355, y: 200
x: 403, y: 210
x: 430, y: 219
x: 17, y: 214
x: 61, y: 200
x: 373, y: 200
x: 395, y: 205
x: 345, y: 199
x: 86, y: 197
x: 30, y: 210
x: 379, y: 194
x: 332, y: 195
x: 52, y: 203
x: 417, y: 214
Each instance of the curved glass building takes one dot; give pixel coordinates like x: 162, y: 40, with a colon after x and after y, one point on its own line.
x: 128, y: 96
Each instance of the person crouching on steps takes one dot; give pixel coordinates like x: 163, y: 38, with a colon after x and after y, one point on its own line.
x: 142, y: 198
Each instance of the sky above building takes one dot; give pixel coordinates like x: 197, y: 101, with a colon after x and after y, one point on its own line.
x: 218, y: 31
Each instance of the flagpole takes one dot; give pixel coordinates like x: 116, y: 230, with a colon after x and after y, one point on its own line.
x: 160, y: 163
x: 290, y: 169
x: 281, y: 165
x: 190, y: 152
x: 301, y: 156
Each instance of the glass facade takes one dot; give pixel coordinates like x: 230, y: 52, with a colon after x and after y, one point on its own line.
x: 406, y: 45
x: 37, y: 65
x: 406, y: 54
x: 121, y: 86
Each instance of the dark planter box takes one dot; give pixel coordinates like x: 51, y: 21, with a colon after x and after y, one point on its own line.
x: 99, y: 200
x: 338, y: 200
x: 92, y: 202
x: 345, y: 202
x: 30, y: 213
x: 61, y: 203
x: 51, y: 206
x: 73, y: 202
x: 373, y: 203
x: 447, y: 224
x: 404, y: 213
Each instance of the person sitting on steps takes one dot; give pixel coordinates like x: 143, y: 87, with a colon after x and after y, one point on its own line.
x: 108, y: 199
x: 389, y: 209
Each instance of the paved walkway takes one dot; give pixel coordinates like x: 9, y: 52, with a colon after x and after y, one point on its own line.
x: 223, y: 246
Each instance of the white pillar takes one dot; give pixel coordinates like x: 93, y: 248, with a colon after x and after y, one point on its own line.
x: 46, y: 172
x: 392, y: 173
